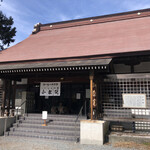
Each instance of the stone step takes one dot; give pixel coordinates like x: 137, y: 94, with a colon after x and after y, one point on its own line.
x: 54, y: 115
x: 38, y: 126
x: 43, y: 131
x: 59, y: 127
x: 53, y: 118
x: 38, y: 135
x: 50, y: 122
x: 60, y: 117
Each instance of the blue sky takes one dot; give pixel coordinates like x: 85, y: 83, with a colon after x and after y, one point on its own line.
x: 26, y: 13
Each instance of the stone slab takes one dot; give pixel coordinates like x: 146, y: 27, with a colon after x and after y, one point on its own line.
x: 93, y: 131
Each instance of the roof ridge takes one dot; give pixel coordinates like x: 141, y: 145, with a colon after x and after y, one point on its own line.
x: 92, y: 20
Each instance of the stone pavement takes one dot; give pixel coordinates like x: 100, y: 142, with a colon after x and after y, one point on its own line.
x: 16, y: 143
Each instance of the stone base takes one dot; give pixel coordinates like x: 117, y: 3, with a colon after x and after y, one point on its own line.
x: 93, y: 131
x: 9, y: 122
x: 137, y: 137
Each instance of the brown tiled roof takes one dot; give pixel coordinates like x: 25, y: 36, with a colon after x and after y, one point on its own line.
x: 104, y: 35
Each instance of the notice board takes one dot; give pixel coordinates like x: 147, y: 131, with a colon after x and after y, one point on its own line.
x: 50, y: 88
x: 134, y: 100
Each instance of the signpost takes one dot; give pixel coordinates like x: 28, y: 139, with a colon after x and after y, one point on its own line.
x: 44, y: 117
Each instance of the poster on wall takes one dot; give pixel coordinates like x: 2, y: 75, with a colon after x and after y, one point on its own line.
x: 87, y: 95
x: 134, y: 100
x: 50, y: 88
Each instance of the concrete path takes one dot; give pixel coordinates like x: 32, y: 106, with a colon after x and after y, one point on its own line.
x: 15, y: 143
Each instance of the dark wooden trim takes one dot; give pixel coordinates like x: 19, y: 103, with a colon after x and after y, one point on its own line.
x: 3, y: 103
x: 100, y: 104
x: 13, y: 95
x: 128, y: 76
x: 4, y: 88
x: 9, y: 88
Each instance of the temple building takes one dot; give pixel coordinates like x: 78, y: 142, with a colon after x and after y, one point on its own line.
x: 100, y: 64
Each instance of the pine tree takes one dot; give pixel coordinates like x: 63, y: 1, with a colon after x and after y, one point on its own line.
x: 7, y: 32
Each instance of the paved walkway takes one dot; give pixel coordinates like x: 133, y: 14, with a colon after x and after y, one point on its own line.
x: 15, y: 143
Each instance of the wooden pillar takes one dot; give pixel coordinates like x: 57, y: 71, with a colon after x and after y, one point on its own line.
x: 95, y: 106
x: 3, y: 103
x: 91, y: 93
x: 9, y: 85
x: 13, y: 97
x: 3, y: 96
x: 100, y: 103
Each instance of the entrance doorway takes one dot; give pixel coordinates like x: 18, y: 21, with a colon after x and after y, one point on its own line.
x: 73, y: 96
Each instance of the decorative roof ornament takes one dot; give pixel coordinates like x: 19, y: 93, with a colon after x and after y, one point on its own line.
x: 36, y: 28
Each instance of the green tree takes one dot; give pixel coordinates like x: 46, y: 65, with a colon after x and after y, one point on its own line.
x: 7, y: 32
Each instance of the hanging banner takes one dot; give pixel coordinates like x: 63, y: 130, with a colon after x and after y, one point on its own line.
x: 50, y: 88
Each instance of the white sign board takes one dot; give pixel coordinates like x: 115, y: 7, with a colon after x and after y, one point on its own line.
x: 87, y: 93
x: 78, y: 96
x: 44, y: 114
x: 50, y: 89
x: 134, y: 100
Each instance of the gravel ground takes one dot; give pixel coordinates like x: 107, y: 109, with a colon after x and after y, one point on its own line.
x: 15, y: 143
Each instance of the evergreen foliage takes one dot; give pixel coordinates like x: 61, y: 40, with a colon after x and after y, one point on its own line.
x: 7, y: 32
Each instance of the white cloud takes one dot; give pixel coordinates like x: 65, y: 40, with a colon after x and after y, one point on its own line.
x: 64, y: 17
x: 8, y: 8
x: 78, y: 17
